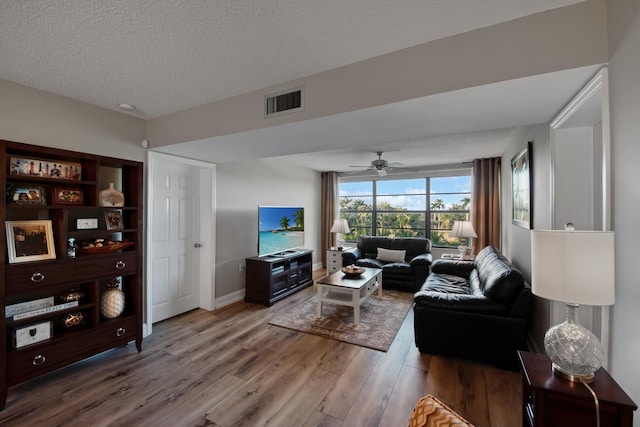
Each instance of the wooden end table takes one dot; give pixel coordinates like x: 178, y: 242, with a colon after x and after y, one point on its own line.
x: 549, y: 400
x: 338, y: 289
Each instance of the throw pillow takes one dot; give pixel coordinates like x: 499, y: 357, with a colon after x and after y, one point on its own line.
x: 389, y: 255
x: 430, y: 411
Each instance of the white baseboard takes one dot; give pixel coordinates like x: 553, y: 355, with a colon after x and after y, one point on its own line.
x: 229, y: 299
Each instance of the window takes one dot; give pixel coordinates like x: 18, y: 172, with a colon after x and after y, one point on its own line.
x: 414, y: 207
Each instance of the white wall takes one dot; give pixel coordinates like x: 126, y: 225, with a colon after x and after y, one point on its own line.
x: 241, y: 187
x: 516, y: 241
x: 36, y: 117
x: 624, y: 98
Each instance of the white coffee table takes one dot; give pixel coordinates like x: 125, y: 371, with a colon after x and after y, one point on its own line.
x: 340, y: 289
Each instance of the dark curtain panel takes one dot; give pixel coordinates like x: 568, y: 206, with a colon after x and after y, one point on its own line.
x: 329, y: 195
x: 485, y: 206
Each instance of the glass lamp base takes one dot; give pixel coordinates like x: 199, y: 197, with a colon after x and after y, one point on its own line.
x: 576, y: 353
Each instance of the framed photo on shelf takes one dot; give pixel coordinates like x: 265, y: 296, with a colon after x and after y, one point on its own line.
x: 67, y: 196
x: 30, y: 241
x: 114, y: 220
x: 53, y: 169
x: 521, y: 190
x: 26, y: 195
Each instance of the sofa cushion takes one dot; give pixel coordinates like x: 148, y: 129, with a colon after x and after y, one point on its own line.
x: 398, y: 268
x: 369, y: 262
x: 390, y: 255
x: 446, y: 283
x: 413, y: 245
x: 369, y: 245
x: 499, y: 279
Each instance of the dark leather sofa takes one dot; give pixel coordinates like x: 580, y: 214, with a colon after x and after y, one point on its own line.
x: 474, y: 309
x: 406, y: 275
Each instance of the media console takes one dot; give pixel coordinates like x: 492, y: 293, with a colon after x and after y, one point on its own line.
x: 273, y: 277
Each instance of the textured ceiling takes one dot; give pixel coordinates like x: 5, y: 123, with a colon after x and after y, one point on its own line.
x: 167, y: 56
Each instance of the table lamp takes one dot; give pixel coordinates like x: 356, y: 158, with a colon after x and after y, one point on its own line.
x: 575, y: 267
x: 340, y: 226
x: 464, y: 230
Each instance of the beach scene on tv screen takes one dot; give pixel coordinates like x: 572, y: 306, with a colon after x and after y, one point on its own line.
x: 281, y: 228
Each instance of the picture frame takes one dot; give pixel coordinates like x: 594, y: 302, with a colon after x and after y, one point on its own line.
x: 67, y: 196
x: 42, y: 168
x: 521, y: 187
x: 30, y: 241
x: 113, y: 220
x: 26, y: 195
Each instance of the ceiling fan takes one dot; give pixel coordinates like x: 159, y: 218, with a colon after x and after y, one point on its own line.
x: 381, y: 166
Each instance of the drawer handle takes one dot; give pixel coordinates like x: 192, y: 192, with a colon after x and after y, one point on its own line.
x: 38, y: 360
x: 120, y: 265
x: 37, y: 277
x: 120, y: 332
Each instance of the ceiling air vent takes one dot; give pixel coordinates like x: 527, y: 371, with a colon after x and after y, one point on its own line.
x: 280, y: 103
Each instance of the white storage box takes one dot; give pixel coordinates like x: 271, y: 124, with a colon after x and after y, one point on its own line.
x: 31, y: 334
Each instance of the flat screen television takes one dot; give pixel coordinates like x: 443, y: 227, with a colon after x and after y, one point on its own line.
x: 280, y: 229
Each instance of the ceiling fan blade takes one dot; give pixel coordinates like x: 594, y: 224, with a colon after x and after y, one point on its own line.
x: 395, y: 164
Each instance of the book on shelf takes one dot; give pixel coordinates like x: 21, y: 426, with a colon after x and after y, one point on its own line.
x: 26, y: 306
x: 45, y: 310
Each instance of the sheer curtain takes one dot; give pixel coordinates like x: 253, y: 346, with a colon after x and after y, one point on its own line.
x: 485, y: 206
x: 329, y: 195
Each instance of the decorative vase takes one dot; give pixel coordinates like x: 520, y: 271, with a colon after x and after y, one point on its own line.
x: 112, y: 301
x: 111, y: 197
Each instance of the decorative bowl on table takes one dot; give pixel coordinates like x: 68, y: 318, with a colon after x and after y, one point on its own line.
x: 352, y: 271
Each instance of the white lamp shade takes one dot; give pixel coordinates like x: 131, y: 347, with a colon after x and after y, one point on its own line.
x: 340, y: 225
x: 575, y: 267
x: 462, y: 229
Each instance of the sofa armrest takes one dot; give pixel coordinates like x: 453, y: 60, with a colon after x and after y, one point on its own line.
x: 453, y: 267
x: 521, y: 307
x: 422, y: 259
x: 350, y: 256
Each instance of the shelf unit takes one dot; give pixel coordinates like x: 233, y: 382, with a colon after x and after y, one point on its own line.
x: 86, y: 274
x: 272, y: 278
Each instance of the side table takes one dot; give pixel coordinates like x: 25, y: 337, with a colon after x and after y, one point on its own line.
x: 549, y: 400
x: 334, y: 260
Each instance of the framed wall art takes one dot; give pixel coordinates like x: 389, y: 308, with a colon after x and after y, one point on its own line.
x: 30, y: 241
x: 26, y: 195
x: 67, y: 196
x: 114, y: 220
x: 45, y: 168
x: 521, y: 187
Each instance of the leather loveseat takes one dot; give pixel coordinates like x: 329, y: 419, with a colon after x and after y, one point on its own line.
x: 404, y: 261
x: 474, y: 309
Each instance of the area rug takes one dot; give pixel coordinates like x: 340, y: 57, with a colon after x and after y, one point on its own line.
x: 380, y: 319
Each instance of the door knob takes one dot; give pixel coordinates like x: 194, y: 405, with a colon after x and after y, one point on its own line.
x: 197, y: 245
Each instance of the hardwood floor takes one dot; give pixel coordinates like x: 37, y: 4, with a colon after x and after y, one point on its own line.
x: 231, y: 368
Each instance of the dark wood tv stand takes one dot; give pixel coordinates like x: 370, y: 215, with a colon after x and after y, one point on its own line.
x: 271, y: 278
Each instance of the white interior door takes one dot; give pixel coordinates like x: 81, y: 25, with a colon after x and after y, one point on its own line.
x: 174, y: 259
